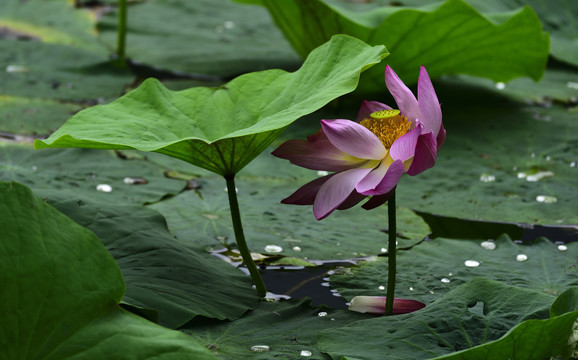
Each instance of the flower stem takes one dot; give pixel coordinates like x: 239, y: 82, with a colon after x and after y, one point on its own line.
x: 121, y: 31
x: 391, y: 255
x: 240, y: 237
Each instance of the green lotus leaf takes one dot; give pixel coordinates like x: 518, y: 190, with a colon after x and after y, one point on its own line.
x: 180, y: 282
x: 481, y: 319
x: 220, y: 129
x: 448, y: 38
x: 61, y: 289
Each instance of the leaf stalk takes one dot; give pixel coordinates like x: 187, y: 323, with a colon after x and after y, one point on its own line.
x: 240, y: 237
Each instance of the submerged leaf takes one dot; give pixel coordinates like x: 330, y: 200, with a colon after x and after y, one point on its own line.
x: 220, y: 129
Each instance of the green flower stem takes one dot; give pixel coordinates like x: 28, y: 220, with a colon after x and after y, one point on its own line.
x: 240, y: 237
x: 391, y: 255
x: 121, y: 31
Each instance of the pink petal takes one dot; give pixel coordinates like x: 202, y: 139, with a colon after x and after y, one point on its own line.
x: 382, y: 179
x: 316, y: 153
x: 336, y: 190
x: 404, y: 147
x: 306, y: 194
x: 429, y: 106
x: 353, y: 199
x: 406, y: 101
x: 376, y: 305
x: 441, y: 138
x: 353, y: 139
x: 368, y: 107
x: 377, y: 200
x: 425, y: 154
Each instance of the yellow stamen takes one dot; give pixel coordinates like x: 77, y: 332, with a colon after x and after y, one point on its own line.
x: 387, y: 125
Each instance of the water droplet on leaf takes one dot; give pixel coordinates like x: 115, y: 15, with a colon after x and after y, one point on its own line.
x: 260, y: 348
x: 487, y: 178
x: 305, y: 353
x: 488, y: 245
x: 562, y: 247
x: 135, y: 181
x: 500, y: 86
x: 521, y: 257
x: 296, y: 248
x: 273, y: 248
x: 445, y: 280
x: 104, y: 188
x: 322, y: 313
x: 472, y: 263
x: 381, y: 287
x: 546, y: 199
x: 322, y: 173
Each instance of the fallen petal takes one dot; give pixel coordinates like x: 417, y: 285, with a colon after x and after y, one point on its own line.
x: 376, y: 305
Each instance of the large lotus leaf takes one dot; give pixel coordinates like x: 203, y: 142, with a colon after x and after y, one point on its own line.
x: 288, y: 329
x: 558, y: 17
x: 473, y: 316
x: 449, y: 38
x: 61, y: 288
x: 83, y: 170
x: 159, y: 272
x: 56, y: 22
x: 216, y: 37
x: 202, y: 218
x: 433, y: 268
x: 220, y: 129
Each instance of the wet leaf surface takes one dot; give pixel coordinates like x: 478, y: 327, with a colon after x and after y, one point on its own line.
x: 433, y: 268
x: 222, y: 38
x: 161, y: 273
x: 100, y: 175
x: 202, y: 218
x: 471, y: 318
x: 44, y: 255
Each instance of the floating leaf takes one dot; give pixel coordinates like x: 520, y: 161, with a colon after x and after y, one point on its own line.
x: 222, y: 38
x: 433, y: 268
x: 449, y: 38
x: 220, y: 129
x: 286, y: 328
x: 160, y: 273
x: 55, y: 22
x: 86, y: 171
x: 476, y: 316
x: 61, y: 289
x: 202, y: 218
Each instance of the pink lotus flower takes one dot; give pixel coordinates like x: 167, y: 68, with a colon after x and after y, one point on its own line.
x: 369, y: 156
x: 376, y: 305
